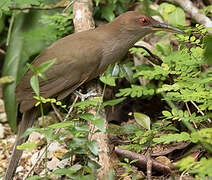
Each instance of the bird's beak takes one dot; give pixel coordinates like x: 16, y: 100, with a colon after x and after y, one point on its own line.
x: 165, y: 27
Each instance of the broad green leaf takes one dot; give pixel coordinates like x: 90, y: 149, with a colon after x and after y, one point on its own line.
x: 115, y: 70
x: 142, y: 119
x: 27, y: 146
x: 78, y: 142
x: 173, y: 14
x: 109, y: 80
x: 2, y: 18
x: 166, y: 9
x: 87, y: 116
x: 107, y: 12
x: 177, y: 17
x: 130, y: 128
x: 10, y: 68
x: 69, y: 172
x: 167, y: 113
x: 208, y: 49
x: 30, y: 130
x: 114, y: 102
x: 61, y: 125
x: 34, y: 178
x: 76, y: 167
x: 26, y: 40
x: 100, y: 124
x: 32, y: 68
x: 94, y: 147
x: 46, y: 65
x: 35, y: 85
x: 127, y: 72
x: 93, y: 164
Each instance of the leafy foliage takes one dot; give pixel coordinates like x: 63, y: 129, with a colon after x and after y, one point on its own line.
x: 180, y: 78
x: 202, y: 168
x: 183, y: 78
x: 174, y: 15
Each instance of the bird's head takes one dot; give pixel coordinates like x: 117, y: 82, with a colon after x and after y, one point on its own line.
x: 139, y: 23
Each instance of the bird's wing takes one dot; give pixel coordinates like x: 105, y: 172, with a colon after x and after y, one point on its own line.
x: 73, y: 67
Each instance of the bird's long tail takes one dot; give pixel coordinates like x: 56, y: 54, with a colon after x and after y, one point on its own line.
x: 26, y: 122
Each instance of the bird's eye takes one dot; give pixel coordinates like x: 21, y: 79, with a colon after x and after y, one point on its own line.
x: 145, y: 21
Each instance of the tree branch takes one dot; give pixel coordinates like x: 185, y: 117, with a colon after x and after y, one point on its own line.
x: 38, y: 8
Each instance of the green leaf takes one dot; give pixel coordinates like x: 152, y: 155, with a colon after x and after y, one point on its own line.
x: 27, y: 146
x: 26, y: 40
x: 109, y: 80
x: 127, y: 72
x: 167, y: 113
x: 184, y: 136
x: 177, y: 17
x: 94, y: 147
x: 107, y: 12
x: 46, y: 65
x: 34, y: 178
x: 100, y: 124
x: 30, y: 130
x: 61, y: 125
x: 69, y: 172
x: 35, y: 84
x: 142, y: 119
x: 87, y: 103
x: 208, y: 49
x: 87, y: 116
x: 2, y: 19
x: 93, y: 164
x: 130, y: 128
x: 115, y: 70
x: 113, y: 102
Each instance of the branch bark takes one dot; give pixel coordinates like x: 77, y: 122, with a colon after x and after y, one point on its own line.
x: 195, y: 13
x: 83, y: 20
x: 37, y: 8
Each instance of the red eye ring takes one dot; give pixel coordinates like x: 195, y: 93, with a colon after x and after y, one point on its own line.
x: 145, y: 21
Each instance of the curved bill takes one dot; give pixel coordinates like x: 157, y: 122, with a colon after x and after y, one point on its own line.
x: 165, y: 27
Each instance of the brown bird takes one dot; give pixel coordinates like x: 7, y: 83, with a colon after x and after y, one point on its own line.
x: 80, y: 57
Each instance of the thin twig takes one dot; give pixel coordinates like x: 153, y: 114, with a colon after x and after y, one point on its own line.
x: 47, y: 146
x: 56, y: 112
x: 189, y: 112
x: 202, y: 113
x: 2, y: 51
x: 69, y: 4
x: 71, y: 108
x: 38, y: 159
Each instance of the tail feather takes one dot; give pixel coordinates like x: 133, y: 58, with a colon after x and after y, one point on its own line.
x: 26, y: 122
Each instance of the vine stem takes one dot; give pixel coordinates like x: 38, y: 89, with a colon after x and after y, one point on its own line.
x: 10, y: 29
x: 189, y: 112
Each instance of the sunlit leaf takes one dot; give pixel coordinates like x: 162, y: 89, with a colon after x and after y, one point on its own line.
x: 94, y: 147
x: 27, y: 146
x: 35, y: 85
x: 142, y: 119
